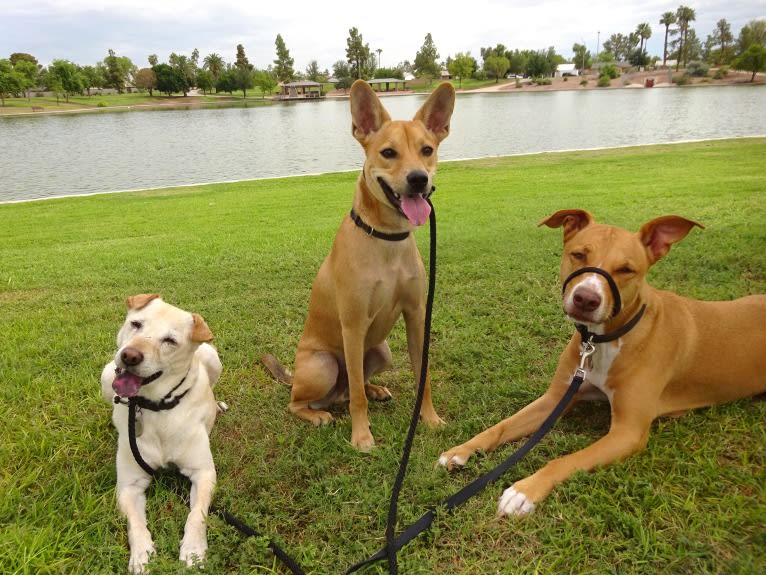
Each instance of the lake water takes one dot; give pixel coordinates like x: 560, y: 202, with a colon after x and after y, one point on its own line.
x: 73, y: 154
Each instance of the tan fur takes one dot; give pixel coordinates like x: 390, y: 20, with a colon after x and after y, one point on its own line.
x: 683, y: 354
x: 365, y: 284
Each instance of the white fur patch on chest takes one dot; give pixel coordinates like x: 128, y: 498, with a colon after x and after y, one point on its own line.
x: 601, y: 363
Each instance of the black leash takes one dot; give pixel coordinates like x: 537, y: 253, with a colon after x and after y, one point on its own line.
x: 478, y: 485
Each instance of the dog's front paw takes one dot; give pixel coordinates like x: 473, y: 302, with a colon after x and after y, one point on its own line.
x: 455, y: 458
x: 193, y: 551
x: 514, y: 502
x: 363, y: 441
x: 139, y: 557
x: 377, y: 393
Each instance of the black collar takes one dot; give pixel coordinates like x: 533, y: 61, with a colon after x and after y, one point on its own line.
x: 370, y: 231
x: 169, y: 401
x: 589, y: 336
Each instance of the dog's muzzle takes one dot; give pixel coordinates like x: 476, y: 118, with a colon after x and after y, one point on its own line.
x: 609, y: 280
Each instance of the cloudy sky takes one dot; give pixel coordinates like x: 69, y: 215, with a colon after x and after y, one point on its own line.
x: 83, y: 31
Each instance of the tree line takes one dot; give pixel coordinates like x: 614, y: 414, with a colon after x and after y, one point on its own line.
x: 21, y: 72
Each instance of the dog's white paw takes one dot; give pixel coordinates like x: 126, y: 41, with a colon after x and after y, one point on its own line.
x: 514, y: 502
x: 451, y: 462
x: 139, y: 557
x: 193, y: 552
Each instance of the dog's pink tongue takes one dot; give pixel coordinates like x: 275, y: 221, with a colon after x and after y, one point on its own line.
x: 416, y: 209
x: 126, y: 384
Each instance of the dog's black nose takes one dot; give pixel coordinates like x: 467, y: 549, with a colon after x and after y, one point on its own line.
x: 131, y: 356
x: 417, y: 180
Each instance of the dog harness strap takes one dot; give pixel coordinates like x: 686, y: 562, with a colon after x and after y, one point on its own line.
x: 370, y: 231
x: 609, y: 279
x: 606, y: 337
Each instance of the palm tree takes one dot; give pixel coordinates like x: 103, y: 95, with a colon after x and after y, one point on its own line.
x: 684, y: 14
x: 644, y: 31
x: 214, y: 64
x: 667, y: 20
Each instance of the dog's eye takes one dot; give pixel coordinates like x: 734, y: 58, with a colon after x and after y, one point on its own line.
x: 578, y: 256
x: 135, y: 324
x: 170, y: 341
x: 427, y: 151
x: 625, y: 270
x: 389, y: 153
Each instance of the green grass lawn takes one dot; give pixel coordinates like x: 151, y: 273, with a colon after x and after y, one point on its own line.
x: 244, y: 255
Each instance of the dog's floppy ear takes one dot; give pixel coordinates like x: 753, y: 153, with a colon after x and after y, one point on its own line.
x: 200, y: 332
x: 572, y: 220
x: 367, y: 113
x: 141, y: 300
x: 436, y: 112
x: 660, y: 233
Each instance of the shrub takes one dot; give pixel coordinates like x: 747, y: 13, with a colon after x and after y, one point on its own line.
x: 603, y: 81
x: 611, y: 71
x: 682, y: 80
x: 697, y: 69
x: 584, y: 82
x: 721, y: 73
x: 101, y: 104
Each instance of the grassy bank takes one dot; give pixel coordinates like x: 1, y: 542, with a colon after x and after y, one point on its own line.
x: 244, y: 255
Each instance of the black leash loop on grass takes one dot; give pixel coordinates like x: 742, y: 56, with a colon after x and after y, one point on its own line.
x: 475, y: 487
x: 133, y: 404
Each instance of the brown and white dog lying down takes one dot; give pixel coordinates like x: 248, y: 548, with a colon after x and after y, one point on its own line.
x: 165, y: 363
x: 367, y: 281
x: 681, y: 354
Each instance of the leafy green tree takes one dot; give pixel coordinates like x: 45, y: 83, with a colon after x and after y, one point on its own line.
x: 11, y: 82
x: 169, y: 79
x: 668, y: 19
x: 29, y: 72
x: 496, y: 67
x: 722, y: 37
x: 65, y: 77
x: 343, y: 75
x: 243, y: 71
x: 542, y: 63
x: 145, y: 80
x: 186, y: 68
x: 685, y: 16
x: 267, y: 81
x: 621, y: 45
x: 582, y: 57
x: 638, y: 58
x: 283, y: 65
x: 204, y: 81
x: 118, y: 68
x: 518, y: 61
x: 753, y: 60
x: 17, y: 57
x: 461, y: 66
x: 312, y: 71
x: 425, y: 64
x: 153, y: 60
x: 94, y: 77
x: 357, y: 54
x: 227, y: 81
x: 754, y: 32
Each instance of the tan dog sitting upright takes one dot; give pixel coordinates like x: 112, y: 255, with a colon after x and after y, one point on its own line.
x: 679, y: 355
x: 374, y: 273
x: 165, y: 366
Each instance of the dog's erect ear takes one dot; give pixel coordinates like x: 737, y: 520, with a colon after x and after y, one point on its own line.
x: 200, y: 332
x: 367, y: 113
x: 141, y: 300
x: 436, y: 112
x: 660, y: 233
x: 572, y: 220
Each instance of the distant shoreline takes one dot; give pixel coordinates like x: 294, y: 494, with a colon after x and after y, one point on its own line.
x: 631, y: 80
